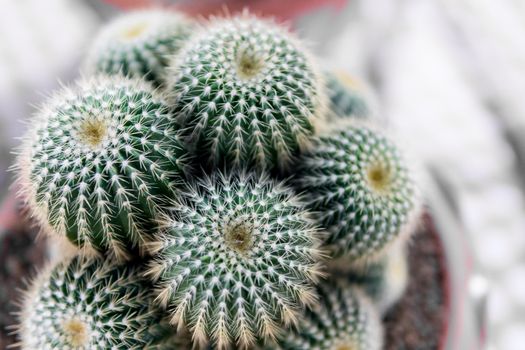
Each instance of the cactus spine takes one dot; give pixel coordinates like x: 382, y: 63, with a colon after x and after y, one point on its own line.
x: 139, y: 44
x: 98, y: 162
x: 89, y: 303
x: 247, y: 93
x: 237, y: 261
x: 358, y: 182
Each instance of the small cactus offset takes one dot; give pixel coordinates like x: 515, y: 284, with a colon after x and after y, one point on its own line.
x: 247, y: 93
x: 98, y: 162
x: 384, y: 281
x: 358, y: 183
x: 89, y: 303
x: 344, y: 319
x: 237, y: 261
x: 346, y: 98
x: 139, y: 44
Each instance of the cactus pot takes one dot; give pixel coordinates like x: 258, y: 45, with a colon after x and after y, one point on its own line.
x: 466, y: 289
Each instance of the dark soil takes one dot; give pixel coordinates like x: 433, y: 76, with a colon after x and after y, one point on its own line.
x: 21, y: 254
x: 418, y: 320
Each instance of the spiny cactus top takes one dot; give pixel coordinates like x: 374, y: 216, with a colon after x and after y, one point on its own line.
x: 247, y: 93
x: 97, y: 162
x: 358, y: 183
x: 89, y: 303
x: 346, y: 98
x: 237, y: 260
x: 344, y: 319
x: 139, y: 44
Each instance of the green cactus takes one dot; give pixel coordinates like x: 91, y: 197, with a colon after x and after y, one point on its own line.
x: 344, y: 319
x: 358, y: 183
x: 347, y: 98
x: 99, y: 161
x: 247, y: 93
x: 91, y: 303
x: 139, y: 44
x: 238, y: 260
x: 384, y: 281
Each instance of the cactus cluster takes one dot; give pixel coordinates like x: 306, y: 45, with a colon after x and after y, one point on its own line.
x: 169, y: 178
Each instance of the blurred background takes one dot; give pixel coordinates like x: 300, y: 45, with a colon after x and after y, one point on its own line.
x: 448, y: 76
